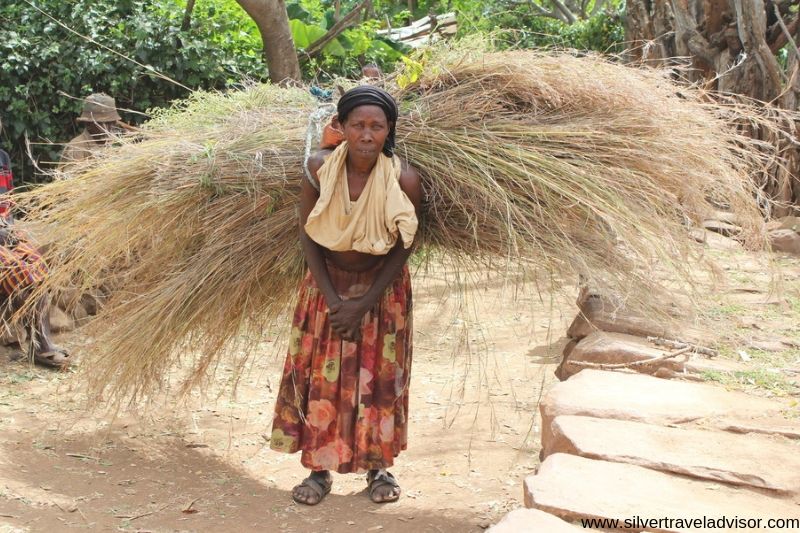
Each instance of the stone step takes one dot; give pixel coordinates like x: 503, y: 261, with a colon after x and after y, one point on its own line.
x: 597, y: 312
x: 575, y: 488
x: 532, y: 521
x: 642, y: 398
x: 602, y: 348
x: 758, y: 461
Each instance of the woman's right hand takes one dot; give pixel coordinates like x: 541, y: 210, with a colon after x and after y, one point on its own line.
x: 345, y: 317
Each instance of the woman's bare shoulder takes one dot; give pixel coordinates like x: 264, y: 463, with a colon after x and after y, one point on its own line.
x: 410, y: 182
x: 408, y: 173
x: 316, y: 159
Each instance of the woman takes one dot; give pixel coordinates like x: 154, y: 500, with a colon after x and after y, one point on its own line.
x: 343, y: 398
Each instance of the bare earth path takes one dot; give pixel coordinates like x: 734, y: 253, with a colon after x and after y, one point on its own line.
x: 209, y: 467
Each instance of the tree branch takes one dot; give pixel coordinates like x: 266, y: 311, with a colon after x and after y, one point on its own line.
x: 598, y: 5
x: 782, y: 33
x: 787, y: 33
x: 582, y: 9
x: 348, y: 20
x: 570, y: 18
x: 543, y: 12
x: 187, y: 15
x: 685, y: 29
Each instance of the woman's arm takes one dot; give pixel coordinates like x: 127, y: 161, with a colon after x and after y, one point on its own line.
x: 311, y: 250
x: 350, y: 312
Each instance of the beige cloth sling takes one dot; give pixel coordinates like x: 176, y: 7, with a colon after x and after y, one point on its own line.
x: 372, y: 223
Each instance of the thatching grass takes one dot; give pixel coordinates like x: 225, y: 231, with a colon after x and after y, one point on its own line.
x: 548, y: 163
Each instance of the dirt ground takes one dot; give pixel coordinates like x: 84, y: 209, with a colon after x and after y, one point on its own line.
x: 208, y: 467
x: 473, y: 432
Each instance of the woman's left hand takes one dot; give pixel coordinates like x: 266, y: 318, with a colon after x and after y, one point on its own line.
x: 346, y: 318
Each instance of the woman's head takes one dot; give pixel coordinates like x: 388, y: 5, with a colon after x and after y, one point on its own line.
x: 368, y: 116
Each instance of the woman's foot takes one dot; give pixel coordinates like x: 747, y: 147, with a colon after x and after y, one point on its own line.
x: 313, y: 489
x: 382, y: 486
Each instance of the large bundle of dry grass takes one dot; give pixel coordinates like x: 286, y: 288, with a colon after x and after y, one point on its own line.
x: 540, y: 162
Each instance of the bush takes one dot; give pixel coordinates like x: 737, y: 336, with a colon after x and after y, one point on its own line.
x: 519, y: 26
x: 46, y: 70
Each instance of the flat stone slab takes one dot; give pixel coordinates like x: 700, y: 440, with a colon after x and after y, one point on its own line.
x: 723, y: 228
x: 784, y: 240
x: 532, y: 521
x: 602, y: 348
x: 715, y: 240
x: 642, y: 398
x: 759, y: 461
x: 600, y: 313
x: 577, y: 488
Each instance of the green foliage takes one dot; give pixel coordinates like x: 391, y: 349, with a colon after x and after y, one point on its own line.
x: 345, y: 55
x: 521, y: 26
x: 47, y: 69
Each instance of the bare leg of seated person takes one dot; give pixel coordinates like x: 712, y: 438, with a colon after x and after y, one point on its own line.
x: 42, y: 349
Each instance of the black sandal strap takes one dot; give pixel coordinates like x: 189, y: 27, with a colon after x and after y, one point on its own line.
x: 319, y: 489
x: 381, y: 479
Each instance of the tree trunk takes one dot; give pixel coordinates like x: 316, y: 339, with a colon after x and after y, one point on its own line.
x: 649, y: 32
x: 187, y: 16
x: 273, y: 25
x: 731, y: 46
x: 787, y: 182
x: 759, y: 75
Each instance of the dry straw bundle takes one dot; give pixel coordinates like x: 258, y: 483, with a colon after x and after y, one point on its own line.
x: 541, y: 162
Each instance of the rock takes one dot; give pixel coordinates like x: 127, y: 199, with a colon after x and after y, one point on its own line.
x: 715, y: 240
x: 561, y: 371
x: 92, y: 300
x: 60, y: 322
x: 698, y: 365
x: 790, y: 222
x: 531, y: 521
x: 754, y: 460
x: 12, y: 334
x: 723, y: 228
x: 577, y: 488
x: 726, y: 216
x: 65, y: 299
x: 772, y: 224
x: 601, y: 348
x: 599, y: 313
x: 785, y: 241
x: 79, y: 314
x: 641, y: 398
x: 768, y: 345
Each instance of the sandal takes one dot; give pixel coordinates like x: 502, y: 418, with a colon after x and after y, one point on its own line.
x: 320, y: 489
x: 57, y: 358
x: 382, y: 478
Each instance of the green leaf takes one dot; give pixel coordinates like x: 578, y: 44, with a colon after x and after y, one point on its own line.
x: 296, y: 11
x: 334, y: 48
x: 304, y: 34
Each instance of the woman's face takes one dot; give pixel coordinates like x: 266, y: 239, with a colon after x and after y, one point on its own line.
x: 365, y: 131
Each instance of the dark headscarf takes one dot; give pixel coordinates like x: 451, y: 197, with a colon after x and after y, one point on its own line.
x: 370, y: 95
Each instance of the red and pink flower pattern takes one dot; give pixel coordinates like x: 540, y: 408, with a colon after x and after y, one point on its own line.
x: 345, y: 404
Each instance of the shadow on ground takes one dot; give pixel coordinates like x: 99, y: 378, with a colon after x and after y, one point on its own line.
x: 107, y: 481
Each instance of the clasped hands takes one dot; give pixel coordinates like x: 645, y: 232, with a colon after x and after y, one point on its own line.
x: 346, y: 315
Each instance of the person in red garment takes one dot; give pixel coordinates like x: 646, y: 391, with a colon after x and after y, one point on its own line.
x: 343, y: 398
x: 21, y: 270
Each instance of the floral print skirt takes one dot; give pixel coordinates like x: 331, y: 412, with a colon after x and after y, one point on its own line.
x: 345, y: 404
